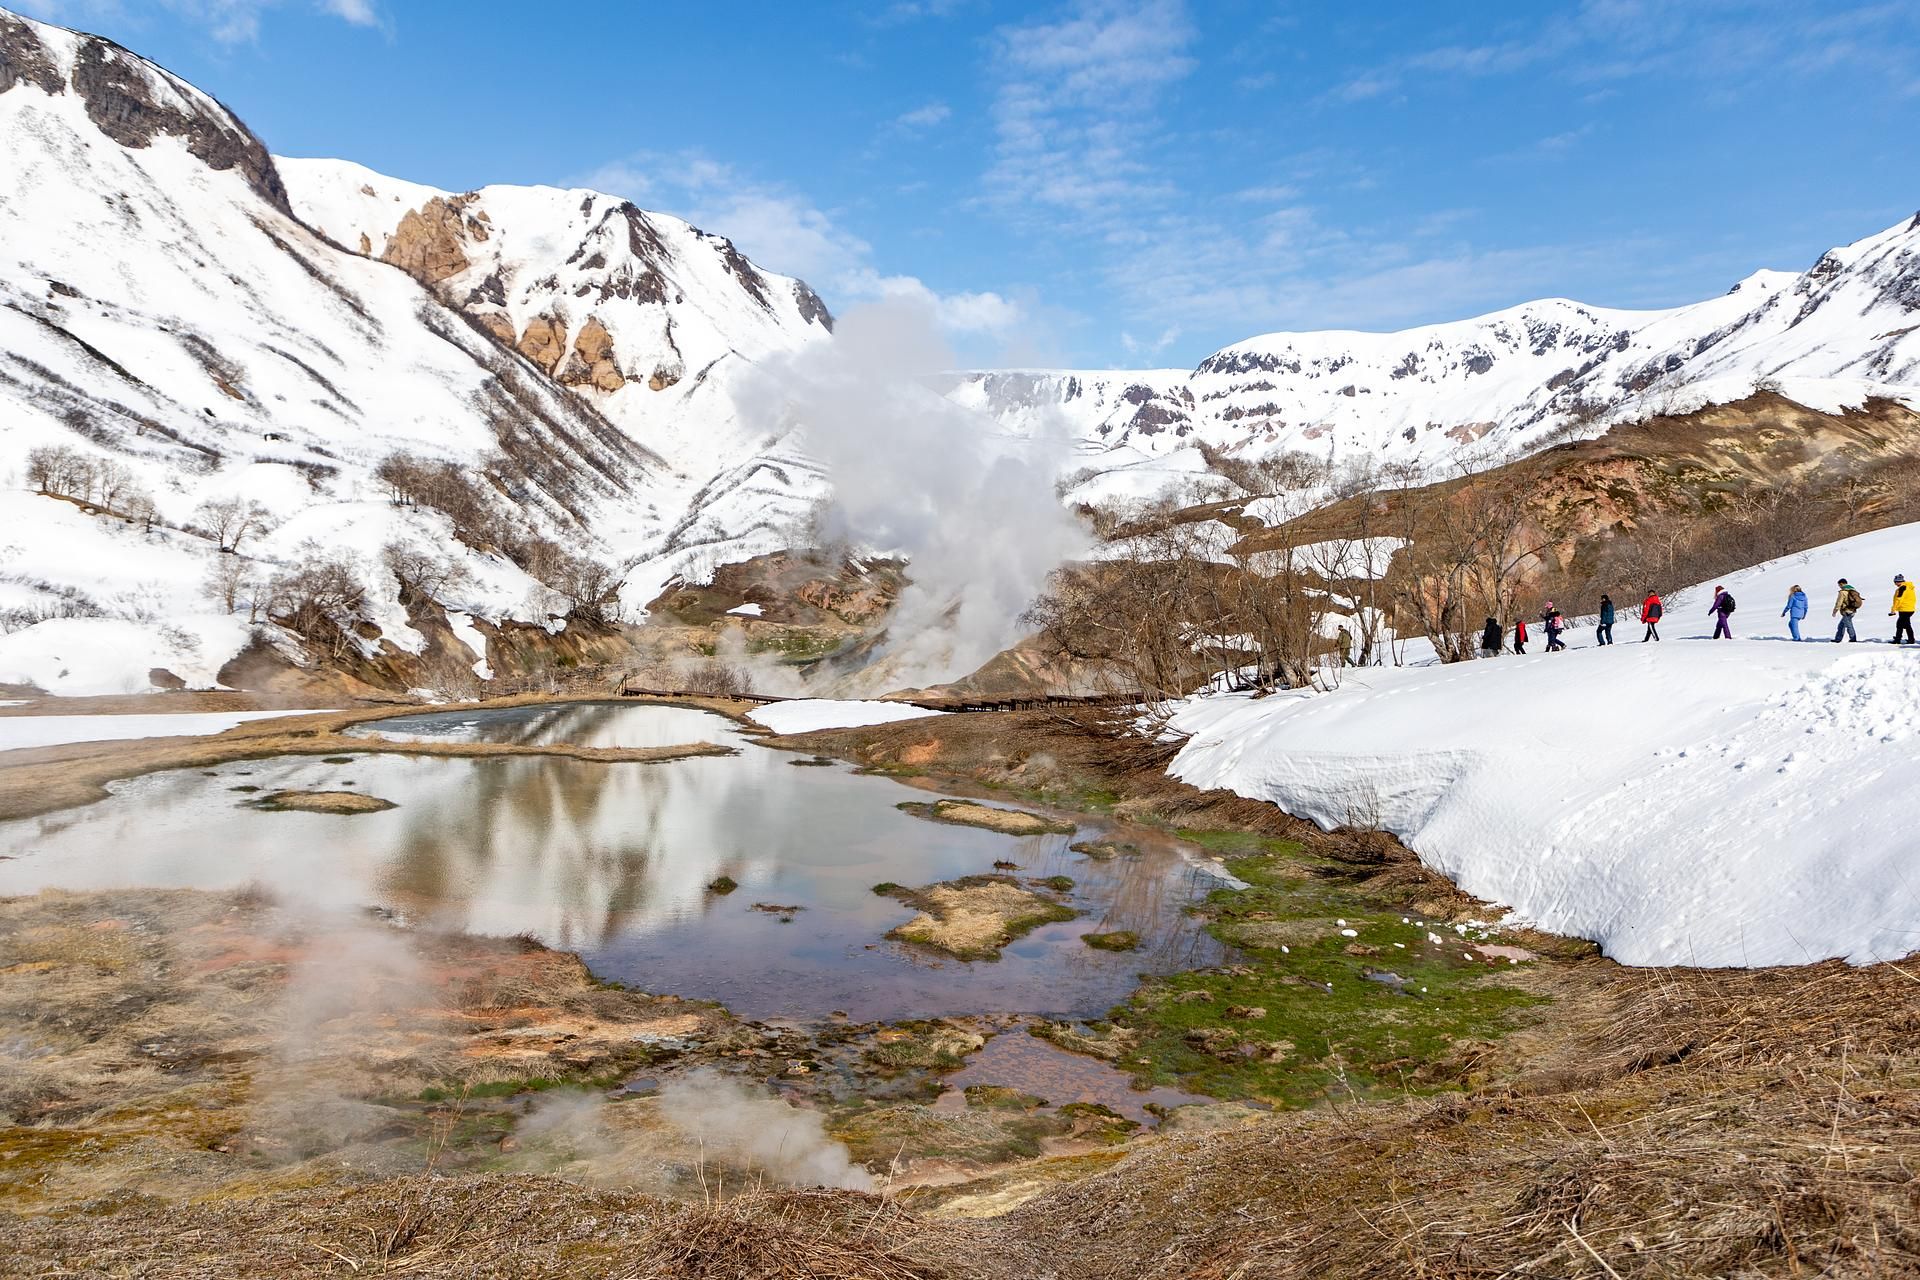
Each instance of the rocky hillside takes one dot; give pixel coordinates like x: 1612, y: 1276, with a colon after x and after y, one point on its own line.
x: 202, y: 396
x: 649, y: 320
x: 1504, y: 384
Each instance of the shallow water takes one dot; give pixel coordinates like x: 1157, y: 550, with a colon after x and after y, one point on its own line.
x: 1016, y: 1060
x: 613, y: 860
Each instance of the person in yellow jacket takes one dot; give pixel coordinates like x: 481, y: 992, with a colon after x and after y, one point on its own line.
x: 1902, y: 611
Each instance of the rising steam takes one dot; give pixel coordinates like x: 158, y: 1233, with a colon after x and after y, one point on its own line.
x: 783, y: 1143
x: 974, y: 511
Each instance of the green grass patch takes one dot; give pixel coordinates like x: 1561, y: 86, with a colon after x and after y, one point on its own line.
x: 1333, y: 993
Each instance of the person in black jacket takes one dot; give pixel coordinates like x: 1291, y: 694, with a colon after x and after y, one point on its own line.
x: 1606, y: 618
x: 1490, y: 638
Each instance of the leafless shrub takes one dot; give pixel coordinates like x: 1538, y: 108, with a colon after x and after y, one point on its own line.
x: 229, y: 521
x: 59, y: 471
x: 422, y: 575
x: 321, y: 599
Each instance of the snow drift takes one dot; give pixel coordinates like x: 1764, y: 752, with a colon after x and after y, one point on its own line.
x: 1691, y: 802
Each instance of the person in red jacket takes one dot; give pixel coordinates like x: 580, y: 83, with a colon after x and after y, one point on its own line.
x: 1520, y: 635
x: 1650, y: 611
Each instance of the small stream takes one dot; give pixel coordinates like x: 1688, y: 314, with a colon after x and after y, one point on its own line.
x: 613, y: 861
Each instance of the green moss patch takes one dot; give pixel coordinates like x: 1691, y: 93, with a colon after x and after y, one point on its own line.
x: 1336, y: 992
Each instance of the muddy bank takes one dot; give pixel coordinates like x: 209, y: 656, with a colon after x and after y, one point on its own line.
x: 46, y: 779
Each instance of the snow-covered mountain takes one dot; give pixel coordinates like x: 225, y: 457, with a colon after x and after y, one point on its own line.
x: 1501, y: 384
x: 651, y: 321
x: 174, y: 327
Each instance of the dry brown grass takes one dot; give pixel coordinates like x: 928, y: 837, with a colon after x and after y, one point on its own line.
x: 1703, y: 1124
x: 974, y: 917
x: 338, y: 802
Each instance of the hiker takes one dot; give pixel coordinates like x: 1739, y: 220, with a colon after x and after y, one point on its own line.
x: 1796, y: 609
x: 1845, y: 605
x: 1605, y: 631
x: 1490, y: 638
x: 1722, y: 609
x: 1902, y: 611
x: 1650, y: 611
x: 1345, y: 641
x: 1550, y: 619
x: 1519, y: 635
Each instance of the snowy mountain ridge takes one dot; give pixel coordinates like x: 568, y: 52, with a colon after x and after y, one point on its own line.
x: 173, y: 331
x: 1502, y: 384
x: 645, y: 317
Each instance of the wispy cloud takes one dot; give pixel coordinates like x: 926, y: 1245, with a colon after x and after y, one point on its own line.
x: 230, y: 22
x: 934, y: 113
x: 1603, y: 41
x: 1074, y: 110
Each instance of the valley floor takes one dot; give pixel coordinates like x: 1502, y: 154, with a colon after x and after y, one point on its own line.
x: 1592, y: 1121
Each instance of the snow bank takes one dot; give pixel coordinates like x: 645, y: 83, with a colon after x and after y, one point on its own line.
x: 1691, y: 802
x: 17, y: 732
x: 1869, y: 561
x: 1744, y: 803
x: 77, y: 657
x: 804, y: 715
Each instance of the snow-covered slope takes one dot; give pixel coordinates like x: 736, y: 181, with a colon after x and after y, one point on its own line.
x: 1704, y: 802
x: 1505, y: 383
x: 164, y: 315
x: 179, y: 312
x: 650, y: 320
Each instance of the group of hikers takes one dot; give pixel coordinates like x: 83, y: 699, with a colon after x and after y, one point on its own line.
x: 1846, y: 604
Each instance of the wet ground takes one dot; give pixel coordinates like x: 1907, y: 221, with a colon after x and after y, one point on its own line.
x: 615, y: 861
x: 1015, y: 1060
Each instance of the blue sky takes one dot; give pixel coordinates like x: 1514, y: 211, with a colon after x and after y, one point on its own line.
x: 1125, y: 182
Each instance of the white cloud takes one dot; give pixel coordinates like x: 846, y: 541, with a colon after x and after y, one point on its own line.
x: 228, y: 21
x: 360, y: 13
x: 934, y: 113
x: 1073, y: 113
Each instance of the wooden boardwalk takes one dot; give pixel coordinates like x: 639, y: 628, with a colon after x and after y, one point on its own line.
x: 956, y: 704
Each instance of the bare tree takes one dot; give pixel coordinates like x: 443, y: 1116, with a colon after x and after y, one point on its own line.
x: 320, y: 598
x: 136, y: 505
x: 59, y: 471
x: 422, y: 574
x: 228, y: 521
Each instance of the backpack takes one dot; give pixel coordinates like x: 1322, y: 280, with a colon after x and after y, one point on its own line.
x: 1726, y: 602
x: 1653, y: 614
x: 1851, y: 601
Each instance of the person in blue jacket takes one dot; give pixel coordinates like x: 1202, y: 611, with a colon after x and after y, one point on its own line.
x: 1606, y: 618
x: 1795, y: 610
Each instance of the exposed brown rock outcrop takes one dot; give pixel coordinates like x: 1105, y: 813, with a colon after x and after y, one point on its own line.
x: 544, y: 342
x: 592, y: 359
x: 118, y: 89
x: 499, y: 325
x: 429, y: 244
